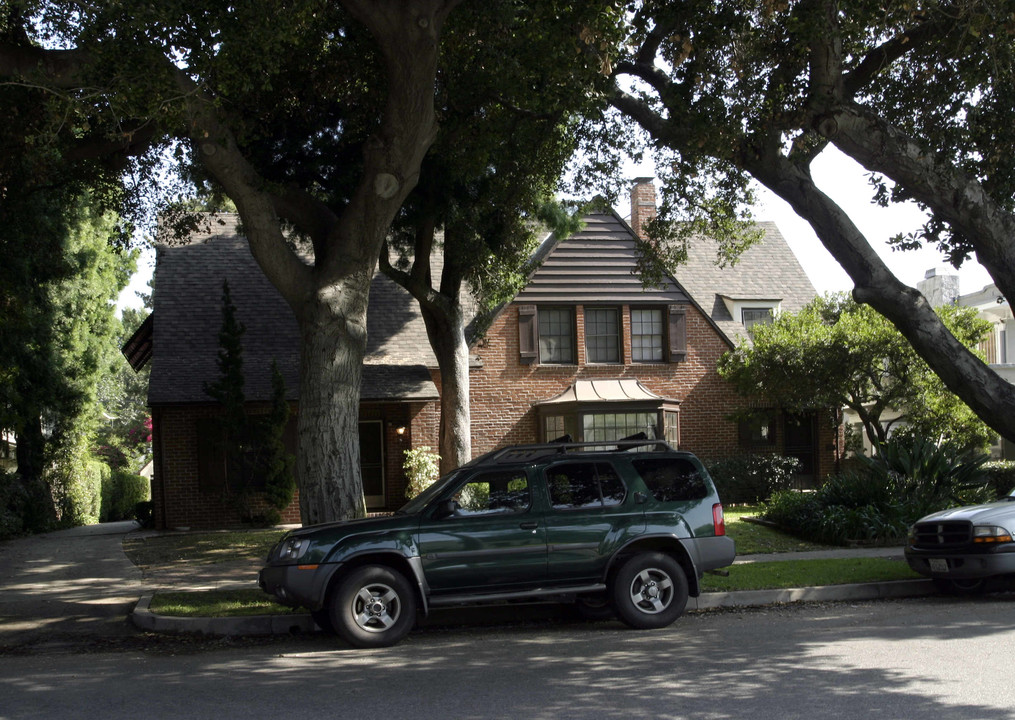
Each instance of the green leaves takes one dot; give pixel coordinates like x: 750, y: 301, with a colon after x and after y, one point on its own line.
x: 836, y: 352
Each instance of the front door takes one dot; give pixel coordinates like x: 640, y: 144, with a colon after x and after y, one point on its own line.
x: 493, y: 540
x: 371, y: 458
x: 800, y: 436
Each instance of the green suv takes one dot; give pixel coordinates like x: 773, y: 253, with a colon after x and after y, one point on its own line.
x: 626, y: 529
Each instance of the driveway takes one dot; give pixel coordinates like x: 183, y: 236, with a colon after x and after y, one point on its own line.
x: 67, y: 583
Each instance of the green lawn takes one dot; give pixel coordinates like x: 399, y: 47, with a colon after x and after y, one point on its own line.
x: 752, y: 538
x: 208, y: 548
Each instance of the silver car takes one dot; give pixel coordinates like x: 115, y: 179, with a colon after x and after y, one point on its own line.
x: 962, y: 548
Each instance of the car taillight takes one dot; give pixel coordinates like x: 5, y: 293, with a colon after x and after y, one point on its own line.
x: 718, y: 519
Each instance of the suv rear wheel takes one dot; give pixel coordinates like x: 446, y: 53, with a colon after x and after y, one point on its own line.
x: 373, y: 607
x: 649, y: 591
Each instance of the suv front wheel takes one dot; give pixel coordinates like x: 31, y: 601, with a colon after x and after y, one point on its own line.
x: 649, y: 591
x: 373, y: 607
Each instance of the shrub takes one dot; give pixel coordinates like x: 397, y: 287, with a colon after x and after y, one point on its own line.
x: 751, y: 479
x: 876, y: 503
x: 121, y: 492
x: 13, y: 503
x: 796, y: 512
x: 143, y: 513
x: 422, y: 466
x: 1000, y: 476
x: 76, y: 479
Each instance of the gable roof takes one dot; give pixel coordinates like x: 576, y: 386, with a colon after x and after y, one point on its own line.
x: 187, y: 315
x: 597, y: 265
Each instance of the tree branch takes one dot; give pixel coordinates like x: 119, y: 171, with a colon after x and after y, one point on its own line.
x: 962, y: 372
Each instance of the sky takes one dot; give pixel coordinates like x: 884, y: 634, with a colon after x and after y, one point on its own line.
x: 838, y: 176
x: 845, y: 181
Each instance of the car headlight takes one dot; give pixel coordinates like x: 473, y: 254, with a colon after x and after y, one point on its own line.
x: 292, y: 548
x: 990, y: 534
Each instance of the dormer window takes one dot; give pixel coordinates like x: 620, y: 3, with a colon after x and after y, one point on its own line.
x: 752, y: 316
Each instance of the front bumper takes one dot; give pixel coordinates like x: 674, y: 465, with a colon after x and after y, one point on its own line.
x: 961, y: 564
x: 297, y: 585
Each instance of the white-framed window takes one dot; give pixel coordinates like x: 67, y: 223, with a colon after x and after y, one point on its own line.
x: 602, y: 335
x: 648, y: 335
x: 556, y: 335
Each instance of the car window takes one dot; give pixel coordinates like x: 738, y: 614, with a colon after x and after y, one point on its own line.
x: 574, y: 486
x: 493, y: 493
x: 671, y: 479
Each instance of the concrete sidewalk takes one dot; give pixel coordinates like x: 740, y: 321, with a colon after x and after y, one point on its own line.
x: 69, y: 583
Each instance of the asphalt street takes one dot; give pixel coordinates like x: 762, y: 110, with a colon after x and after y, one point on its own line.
x: 920, y: 658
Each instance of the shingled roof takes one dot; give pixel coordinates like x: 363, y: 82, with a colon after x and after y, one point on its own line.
x: 596, y: 264
x: 768, y: 270
x: 187, y: 316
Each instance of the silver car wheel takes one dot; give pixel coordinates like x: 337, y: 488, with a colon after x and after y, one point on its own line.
x: 651, y: 591
x: 376, y: 607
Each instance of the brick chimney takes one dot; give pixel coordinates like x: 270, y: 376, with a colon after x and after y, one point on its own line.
x: 643, y: 204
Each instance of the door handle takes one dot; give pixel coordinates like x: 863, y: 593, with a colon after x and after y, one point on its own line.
x: 529, y: 525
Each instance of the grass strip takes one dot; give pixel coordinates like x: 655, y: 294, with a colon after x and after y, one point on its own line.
x: 808, y: 573
x: 217, y: 603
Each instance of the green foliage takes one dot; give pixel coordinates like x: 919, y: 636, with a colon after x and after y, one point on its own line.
x: 76, y: 478
x: 280, y: 478
x: 254, y: 447
x: 1000, y: 476
x: 421, y: 468
x: 751, y: 478
x: 124, y: 438
x: 906, y: 480
x: 228, y: 389
x: 122, y: 491
x: 144, y: 513
x: 59, y: 338
x: 836, y: 352
x: 13, y: 501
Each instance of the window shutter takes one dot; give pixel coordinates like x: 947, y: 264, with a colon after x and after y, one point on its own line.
x: 528, y: 333
x: 678, y: 333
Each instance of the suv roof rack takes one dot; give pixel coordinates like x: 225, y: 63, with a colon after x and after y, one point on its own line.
x: 562, y: 446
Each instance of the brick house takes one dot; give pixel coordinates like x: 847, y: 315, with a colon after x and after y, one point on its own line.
x: 583, y: 350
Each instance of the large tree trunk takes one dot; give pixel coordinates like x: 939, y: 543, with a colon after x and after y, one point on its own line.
x: 333, y: 343
x: 445, y: 327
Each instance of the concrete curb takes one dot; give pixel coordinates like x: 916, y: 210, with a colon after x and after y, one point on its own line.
x: 824, y: 593
x: 145, y: 619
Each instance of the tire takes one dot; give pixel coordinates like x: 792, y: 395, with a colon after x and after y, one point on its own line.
x: 594, y: 608
x: 649, y: 591
x: 374, y: 606
x: 323, y: 619
x: 970, y: 586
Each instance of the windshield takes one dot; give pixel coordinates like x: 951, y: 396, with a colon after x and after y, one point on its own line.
x: 423, y: 499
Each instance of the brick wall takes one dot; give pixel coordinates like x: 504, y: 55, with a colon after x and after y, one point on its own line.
x: 179, y: 500
x: 504, y: 390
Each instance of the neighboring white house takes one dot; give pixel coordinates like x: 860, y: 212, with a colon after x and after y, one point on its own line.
x: 941, y: 287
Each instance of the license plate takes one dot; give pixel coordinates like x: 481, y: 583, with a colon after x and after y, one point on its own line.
x: 939, y: 565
